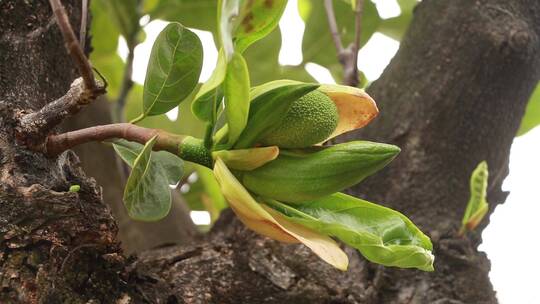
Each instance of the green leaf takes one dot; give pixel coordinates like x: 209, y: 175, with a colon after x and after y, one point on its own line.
x: 236, y: 90
x: 317, y: 44
x: 170, y: 163
x: 208, y: 97
x: 270, y: 103
x: 307, y: 174
x: 186, y: 123
x: 531, y: 118
x: 397, y: 26
x: 74, y: 188
x: 257, y: 19
x: 382, y: 235
x: 173, y: 69
x: 477, y: 206
x: 147, y: 196
x: 125, y: 14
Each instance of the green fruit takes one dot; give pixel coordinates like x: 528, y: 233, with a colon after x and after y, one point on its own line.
x: 310, y: 120
x: 297, y: 176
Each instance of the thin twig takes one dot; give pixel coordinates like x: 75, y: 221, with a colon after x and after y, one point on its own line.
x: 347, y: 57
x: 127, y: 84
x: 73, y: 46
x: 332, y: 23
x: 359, y: 8
x: 56, y: 144
x: 84, y: 21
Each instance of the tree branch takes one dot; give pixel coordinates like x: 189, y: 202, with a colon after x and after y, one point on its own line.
x: 84, y: 22
x: 34, y: 127
x: 359, y: 8
x: 332, y: 23
x: 347, y: 57
x: 73, y: 46
x: 59, y: 143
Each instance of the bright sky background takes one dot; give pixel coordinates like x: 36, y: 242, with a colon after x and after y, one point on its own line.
x: 510, y: 240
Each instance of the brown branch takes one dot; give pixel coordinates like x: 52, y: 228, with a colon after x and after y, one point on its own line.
x: 34, y: 127
x: 73, y: 47
x: 358, y: 10
x: 57, y: 144
x: 347, y: 57
x: 332, y: 23
x: 84, y: 21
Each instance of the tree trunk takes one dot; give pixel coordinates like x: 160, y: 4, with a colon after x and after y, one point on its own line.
x: 453, y: 96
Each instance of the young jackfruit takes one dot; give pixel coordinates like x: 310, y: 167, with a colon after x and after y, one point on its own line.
x: 309, y: 121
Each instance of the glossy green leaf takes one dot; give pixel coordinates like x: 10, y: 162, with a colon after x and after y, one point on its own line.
x: 382, y: 235
x: 531, y: 118
x: 257, y: 19
x: 307, y: 174
x: 173, y: 69
x: 185, y: 123
x: 172, y: 165
x: 147, y: 196
x: 477, y: 206
x: 210, y: 94
x: 236, y: 91
x: 270, y: 103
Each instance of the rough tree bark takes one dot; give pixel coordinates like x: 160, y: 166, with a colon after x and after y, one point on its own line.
x: 453, y: 96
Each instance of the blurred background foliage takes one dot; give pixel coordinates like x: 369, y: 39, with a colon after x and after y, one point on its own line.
x: 126, y: 19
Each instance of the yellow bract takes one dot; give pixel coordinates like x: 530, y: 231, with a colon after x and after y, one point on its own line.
x: 247, y: 159
x: 355, y: 107
x: 270, y: 223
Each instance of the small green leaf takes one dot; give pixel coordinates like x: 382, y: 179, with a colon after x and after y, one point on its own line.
x: 532, y: 114
x: 74, y: 188
x: 477, y: 206
x: 270, y: 103
x: 382, y: 235
x: 173, y: 69
x: 256, y: 20
x: 207, y: 105
x: 147, y: 196
x: 172, y: 165
x: 236, y: 89
x: 203, y: 106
